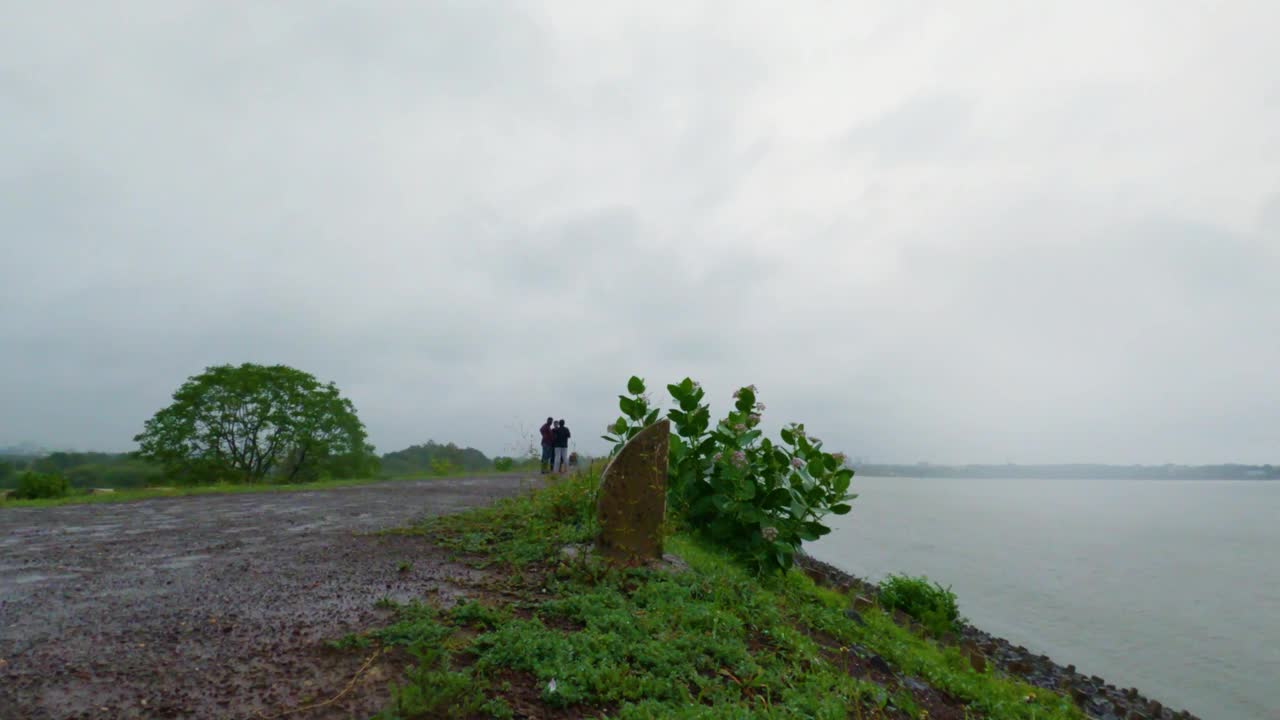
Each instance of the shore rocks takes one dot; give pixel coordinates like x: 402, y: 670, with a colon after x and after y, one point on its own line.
x: 1099, y: 699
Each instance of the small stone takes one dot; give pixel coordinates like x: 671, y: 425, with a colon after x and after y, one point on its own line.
x: 672, y: 563
x: 878, y: 663
x: 1019, y: 667
x: 862, y: 603
x: 977, y: 661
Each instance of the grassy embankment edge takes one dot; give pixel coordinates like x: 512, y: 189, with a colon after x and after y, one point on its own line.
x: 561, y: 636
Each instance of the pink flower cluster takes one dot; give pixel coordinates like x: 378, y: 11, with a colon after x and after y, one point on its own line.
x: 797, y: 462
x: 739, y: 458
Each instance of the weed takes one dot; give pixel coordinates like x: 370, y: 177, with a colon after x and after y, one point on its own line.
x: 930, y: 603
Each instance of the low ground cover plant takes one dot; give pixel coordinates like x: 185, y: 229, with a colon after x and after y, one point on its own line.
x: 929, y: 602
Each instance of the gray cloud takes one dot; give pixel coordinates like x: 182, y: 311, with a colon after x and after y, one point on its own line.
x: 974, y: 235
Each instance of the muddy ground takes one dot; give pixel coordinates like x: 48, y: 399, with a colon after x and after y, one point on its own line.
x: 216, y: 606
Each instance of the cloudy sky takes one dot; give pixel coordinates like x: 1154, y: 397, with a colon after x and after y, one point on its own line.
x: 957, y: 232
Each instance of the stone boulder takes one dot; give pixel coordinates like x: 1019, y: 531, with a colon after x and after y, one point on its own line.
x: 633, y: 498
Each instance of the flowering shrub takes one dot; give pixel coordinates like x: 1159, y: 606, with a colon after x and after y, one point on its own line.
x: 636, y: 415
x: 758, y: 497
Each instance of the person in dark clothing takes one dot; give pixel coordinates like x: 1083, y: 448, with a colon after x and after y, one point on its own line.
x: 548, y: 445
x: 562, y: 435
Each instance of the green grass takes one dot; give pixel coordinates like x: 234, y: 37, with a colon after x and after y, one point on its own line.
x: 714, y: 642
x: 219, y: 489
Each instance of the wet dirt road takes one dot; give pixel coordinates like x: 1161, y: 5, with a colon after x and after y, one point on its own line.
x: 215, y: 606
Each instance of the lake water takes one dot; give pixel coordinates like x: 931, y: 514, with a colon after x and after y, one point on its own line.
x: 1169, y: 586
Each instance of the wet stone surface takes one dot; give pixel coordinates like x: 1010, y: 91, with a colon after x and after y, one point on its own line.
x: 213, y: 606
x: 633, y: 497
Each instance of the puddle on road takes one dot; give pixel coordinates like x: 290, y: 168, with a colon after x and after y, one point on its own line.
x: 28, y: 578
x: 178, y: 563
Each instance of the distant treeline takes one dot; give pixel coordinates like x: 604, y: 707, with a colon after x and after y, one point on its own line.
x: 123, y: 470
x: 83, y: 469
x: 1078, y: 471
x: 432, y: 457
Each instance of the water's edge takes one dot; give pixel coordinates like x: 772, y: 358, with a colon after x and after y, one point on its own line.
x: 1096, y: 697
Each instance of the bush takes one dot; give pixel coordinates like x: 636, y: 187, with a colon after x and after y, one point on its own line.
x: 441, y: 467
x: 759, y: 498
x: 503, y: 464
x: 35, y: 486
x: 930, y: 603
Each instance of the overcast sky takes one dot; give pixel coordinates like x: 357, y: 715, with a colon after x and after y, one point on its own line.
x: 956, y: 232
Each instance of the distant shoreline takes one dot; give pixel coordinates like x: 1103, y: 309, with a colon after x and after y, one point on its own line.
x: 1073, y: 472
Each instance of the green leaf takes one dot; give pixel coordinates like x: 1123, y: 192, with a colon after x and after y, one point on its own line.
x: 747, y: 438
x: 627, y: 405
x: 651, y: 417
x: 840, y: 481
x: 776, y: 498
x: 635, y: 385
x: 788, y: 437
x: 817, y: 528
x: 841, y: 509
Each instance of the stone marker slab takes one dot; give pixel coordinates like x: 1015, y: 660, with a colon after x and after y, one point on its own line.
x: 633, y: 497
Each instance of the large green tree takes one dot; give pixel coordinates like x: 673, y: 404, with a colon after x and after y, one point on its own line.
x: 256, y: 423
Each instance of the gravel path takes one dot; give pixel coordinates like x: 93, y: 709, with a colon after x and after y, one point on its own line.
x: 214, y: 606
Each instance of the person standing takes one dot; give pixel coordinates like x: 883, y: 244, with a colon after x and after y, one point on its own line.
x: 562, y: 436
x: 548, y: 445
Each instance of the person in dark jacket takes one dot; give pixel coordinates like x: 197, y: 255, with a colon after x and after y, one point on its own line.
x: 562, y: 435
x: 548, y: 445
